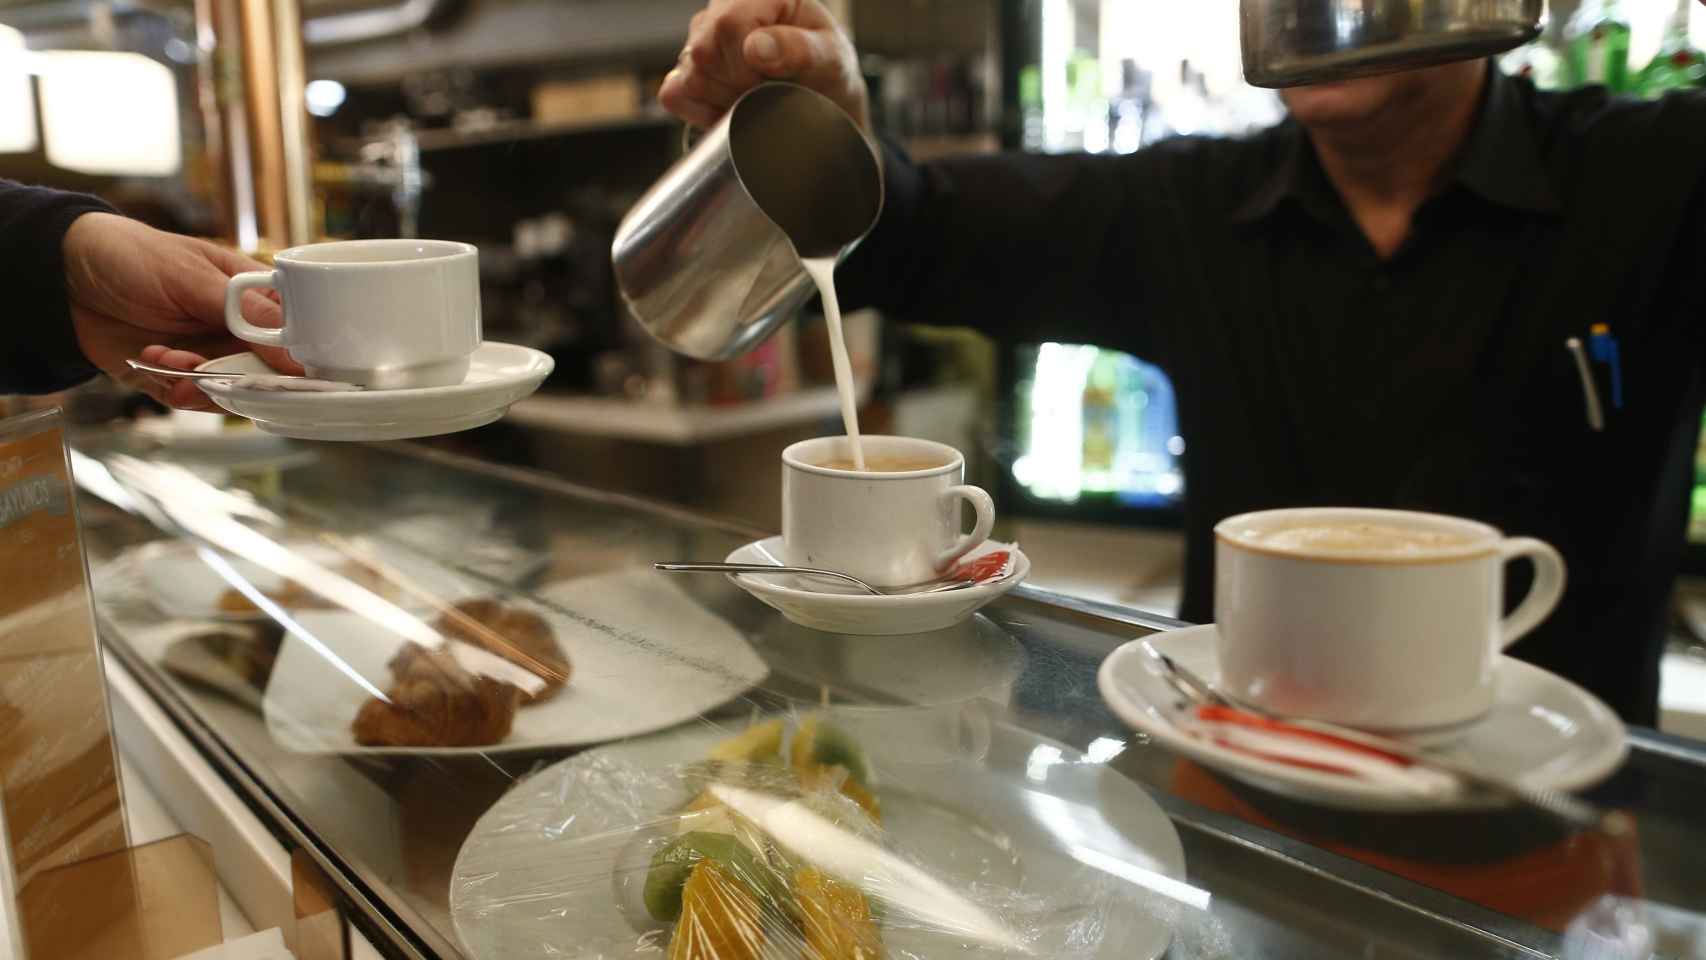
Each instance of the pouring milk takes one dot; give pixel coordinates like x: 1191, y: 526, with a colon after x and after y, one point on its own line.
x: 784, y: 165
x: 822, y: 271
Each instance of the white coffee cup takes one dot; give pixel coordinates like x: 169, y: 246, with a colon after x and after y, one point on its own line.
x: 888, y: 529
x: 1383, y: 619
x: 385, y: 314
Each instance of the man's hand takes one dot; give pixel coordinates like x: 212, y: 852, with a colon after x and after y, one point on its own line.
x: 132, y: 288
x: 734, y: 45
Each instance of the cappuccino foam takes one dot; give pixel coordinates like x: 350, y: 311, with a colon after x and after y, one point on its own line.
x: 878, y: 464
x: 1346, y: 537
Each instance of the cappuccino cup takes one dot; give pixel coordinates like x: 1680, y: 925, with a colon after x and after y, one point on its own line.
x: 384, y: 314
x: 895, y: 523
x: 1381, y: 619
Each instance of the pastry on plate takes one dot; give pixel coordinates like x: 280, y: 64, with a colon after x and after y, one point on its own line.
x: 240, y: 651
x: 434, y: 702
x: 290, y: 595
x: 518, y: 635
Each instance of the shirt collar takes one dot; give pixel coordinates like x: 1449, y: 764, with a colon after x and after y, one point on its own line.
x: 1285, y: 179
x: 1500, y: 162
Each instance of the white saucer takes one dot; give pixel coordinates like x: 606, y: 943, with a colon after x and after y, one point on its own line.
x: 500, y: 374
x: 1543, y: 731
x: 820, y: 607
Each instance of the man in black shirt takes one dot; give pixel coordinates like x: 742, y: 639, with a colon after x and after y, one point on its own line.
x: 86, y: 290
x: 1366, y: 305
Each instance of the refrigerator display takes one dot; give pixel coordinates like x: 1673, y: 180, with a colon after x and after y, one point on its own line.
x: 1094, y: 428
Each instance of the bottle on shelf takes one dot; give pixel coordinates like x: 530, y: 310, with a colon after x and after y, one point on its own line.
x: 1086, y: 106
x: 1126, y: 112
x: 1679, y: 65
x: 1033, y: 132
x: 1596, y: 46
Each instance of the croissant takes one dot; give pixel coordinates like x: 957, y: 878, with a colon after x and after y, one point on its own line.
x: 433, y: 702
x: 519, y: 636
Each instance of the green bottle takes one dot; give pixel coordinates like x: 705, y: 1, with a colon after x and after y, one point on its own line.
x: 1596, y: 46
x: 1033, y: 130
x: 1679, y: 65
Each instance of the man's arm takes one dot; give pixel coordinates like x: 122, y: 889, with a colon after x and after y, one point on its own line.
x: 1013, y: 245
x: 85, y: 290
x: 38, y: 347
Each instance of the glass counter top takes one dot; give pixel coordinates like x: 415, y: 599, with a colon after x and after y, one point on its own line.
x: 463, y: 691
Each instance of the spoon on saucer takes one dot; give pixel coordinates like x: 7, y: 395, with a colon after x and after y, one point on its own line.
x: 1563, y: 807
x: 938, y: 585
x: 249, y: 381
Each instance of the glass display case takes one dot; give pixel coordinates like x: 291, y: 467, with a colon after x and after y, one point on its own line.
x: 464, y: 693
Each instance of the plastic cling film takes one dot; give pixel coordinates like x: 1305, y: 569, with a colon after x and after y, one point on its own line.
x: 794, y: 838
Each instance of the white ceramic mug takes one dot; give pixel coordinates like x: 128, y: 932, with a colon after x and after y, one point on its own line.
x: 385, y: 314
x: 1366, y: 635
x: 888, y: 529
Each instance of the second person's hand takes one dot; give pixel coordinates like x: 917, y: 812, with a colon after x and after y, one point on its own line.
x: 734, y: 45
x: 139, y: 292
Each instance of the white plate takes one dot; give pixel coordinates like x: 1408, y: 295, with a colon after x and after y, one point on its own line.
x: 643, y: 656
x: 821, y: 607
x: 233, y: 439
x: 500, y: 374
x: 551, y: 869
x: 1543, y: 731
x: 180, y: 584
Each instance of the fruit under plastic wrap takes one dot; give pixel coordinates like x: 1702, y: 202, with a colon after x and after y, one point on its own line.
x: 834, y: 918
x: 761, y: 840
x: 826, y: 758
x: 719, y: 920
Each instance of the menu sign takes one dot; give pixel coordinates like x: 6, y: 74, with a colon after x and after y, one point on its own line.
x: 59, y: 783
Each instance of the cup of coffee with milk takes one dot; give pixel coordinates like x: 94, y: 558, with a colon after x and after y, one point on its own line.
x: 1383, y: 619
x: 891, y: 519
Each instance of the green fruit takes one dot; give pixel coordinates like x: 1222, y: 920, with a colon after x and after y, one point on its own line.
x: 672, y: 865
x: 818, y: 743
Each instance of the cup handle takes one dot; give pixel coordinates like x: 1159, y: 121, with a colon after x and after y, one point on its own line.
x: 985, y: 507
x: 1543, y: 595
x: 241, y: 328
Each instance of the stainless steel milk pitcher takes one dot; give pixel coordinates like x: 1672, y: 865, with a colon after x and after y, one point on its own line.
x: 1288, y: 42
x: 708, y: 261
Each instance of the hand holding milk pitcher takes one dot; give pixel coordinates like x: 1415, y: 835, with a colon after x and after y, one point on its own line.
x: 735, y: 45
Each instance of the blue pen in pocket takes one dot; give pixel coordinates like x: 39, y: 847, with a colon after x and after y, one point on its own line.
x: 1603, y: 346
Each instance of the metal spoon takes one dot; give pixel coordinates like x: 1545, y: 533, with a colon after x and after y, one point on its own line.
x: 938, y: 585
x: 1567, y: 809
x: 251, y: 381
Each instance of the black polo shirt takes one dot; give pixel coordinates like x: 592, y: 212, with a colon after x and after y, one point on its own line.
x: 1310, y: 371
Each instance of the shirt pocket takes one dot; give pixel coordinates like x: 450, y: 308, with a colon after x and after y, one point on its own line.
x: 1560, y: 469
